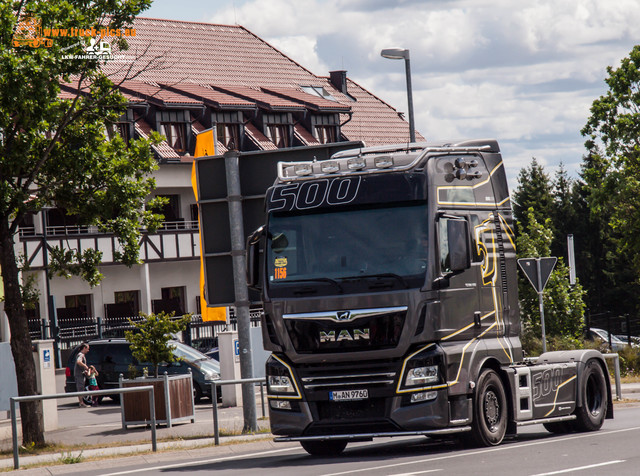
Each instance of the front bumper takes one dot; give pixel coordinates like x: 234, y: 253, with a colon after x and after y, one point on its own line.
x: 378, y: 416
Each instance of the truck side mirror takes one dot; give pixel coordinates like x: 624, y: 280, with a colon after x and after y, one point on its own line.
x: 253, y: 258
x: 458, y: 235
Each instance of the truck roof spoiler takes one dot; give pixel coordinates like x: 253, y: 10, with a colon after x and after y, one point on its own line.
x: 368, y: 160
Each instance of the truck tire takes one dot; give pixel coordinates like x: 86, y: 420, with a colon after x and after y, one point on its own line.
x: 324, y: 448
x: 593, y: 390
x: 489, y: 410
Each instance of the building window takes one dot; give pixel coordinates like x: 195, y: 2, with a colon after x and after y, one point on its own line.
x: 78, y: 305
x: 325, y: 134
x: 171, y: 212
x: 172, y: 301
x: 278, y: 128
x: 194, y: 215
x: 278, y: 134
x: 175, y: 134
x: 228, y: 135
x: 118, y: 128
x: 318, y: 91
x: 127, y: 304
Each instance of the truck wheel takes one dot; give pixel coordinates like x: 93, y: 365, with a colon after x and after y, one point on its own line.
x: 324, y: 448
x: 593, y: 390
x: 489, y: 410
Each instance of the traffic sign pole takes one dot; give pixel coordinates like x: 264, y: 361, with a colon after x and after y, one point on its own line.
x: 541, y: 305
x: 538, y: 271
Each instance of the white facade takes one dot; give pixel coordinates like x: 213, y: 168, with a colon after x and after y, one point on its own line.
x: 170, y: 257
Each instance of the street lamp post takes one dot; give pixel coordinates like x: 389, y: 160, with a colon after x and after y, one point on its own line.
x: 403, y: 53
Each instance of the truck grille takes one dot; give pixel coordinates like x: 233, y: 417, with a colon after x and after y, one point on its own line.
x: 344, y: 331
x: 353, y: 380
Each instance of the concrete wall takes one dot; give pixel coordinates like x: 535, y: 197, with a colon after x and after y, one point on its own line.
x: 9, y: 387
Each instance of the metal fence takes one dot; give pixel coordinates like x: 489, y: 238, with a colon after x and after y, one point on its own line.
x: 72, y: 331
x: 625, y: 327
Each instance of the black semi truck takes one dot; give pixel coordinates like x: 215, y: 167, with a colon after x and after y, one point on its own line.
x: 388, y: 280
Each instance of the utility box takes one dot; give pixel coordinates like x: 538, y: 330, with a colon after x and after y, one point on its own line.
x: 46, y: 379
x: 230, y: 367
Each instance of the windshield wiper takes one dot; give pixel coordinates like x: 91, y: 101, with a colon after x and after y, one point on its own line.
x: 395, y: 276
x: 318, y: 280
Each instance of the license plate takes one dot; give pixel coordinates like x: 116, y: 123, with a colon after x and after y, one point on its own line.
x: 346, y: 395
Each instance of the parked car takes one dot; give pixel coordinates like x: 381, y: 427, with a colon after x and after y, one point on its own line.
x: 112, y: 357
x: 635, y: 340
x: 600, y: 334
x: 213, y: 353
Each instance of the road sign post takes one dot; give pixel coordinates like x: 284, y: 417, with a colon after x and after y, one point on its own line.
x: 538, y: 271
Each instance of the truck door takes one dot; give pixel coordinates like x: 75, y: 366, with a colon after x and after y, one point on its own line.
x: 459, y: 289
x: 486, y: 258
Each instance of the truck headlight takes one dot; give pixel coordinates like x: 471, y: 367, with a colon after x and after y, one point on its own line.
x: 422, y: 375
x: 280, y: 380
x: 280, y: 384
x: 422, y: 370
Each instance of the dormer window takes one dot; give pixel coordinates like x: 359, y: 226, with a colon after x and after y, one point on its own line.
x: 173, y: 125
x: 278, y: 128
x: 118, y: 128
x: 228, y: 129
x: 175, y: 134
x: 325, y: 127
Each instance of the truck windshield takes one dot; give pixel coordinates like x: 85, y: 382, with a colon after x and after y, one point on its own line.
x: 332, y: 248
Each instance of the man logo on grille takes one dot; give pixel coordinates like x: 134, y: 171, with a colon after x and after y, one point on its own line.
x: 343, y: 315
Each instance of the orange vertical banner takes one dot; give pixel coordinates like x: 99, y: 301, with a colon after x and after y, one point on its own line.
x: 205, y: 145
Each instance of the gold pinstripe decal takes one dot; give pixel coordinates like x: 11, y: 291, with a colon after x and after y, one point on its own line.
x: 557, y: 392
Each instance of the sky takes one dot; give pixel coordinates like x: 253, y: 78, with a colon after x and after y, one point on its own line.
x: 524, y: 73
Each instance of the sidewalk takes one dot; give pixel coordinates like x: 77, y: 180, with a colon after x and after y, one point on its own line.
x: 102, y: 425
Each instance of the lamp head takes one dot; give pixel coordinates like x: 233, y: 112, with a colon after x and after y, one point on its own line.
x: 395, y: 53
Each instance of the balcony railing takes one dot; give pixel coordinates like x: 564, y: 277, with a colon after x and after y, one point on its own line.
x: 174, y: 240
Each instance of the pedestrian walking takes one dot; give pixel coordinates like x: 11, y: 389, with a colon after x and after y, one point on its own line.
x: 80, y: 371
x: 92, y: 373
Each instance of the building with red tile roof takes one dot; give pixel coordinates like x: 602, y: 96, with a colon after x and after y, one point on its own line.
x: 226, y: 77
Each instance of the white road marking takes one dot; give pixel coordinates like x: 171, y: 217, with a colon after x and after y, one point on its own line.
x: 202, y: 461
x: 416, y: 472
x: 488, y: 450
x: 580, y: 468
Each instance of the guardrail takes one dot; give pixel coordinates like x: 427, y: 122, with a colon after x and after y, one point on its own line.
x: 93, y: 393
x: 214, y: 400
x: 616, y: 372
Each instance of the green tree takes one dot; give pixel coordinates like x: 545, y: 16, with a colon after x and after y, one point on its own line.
x: 613, y: 142
x: 150, y: 340
x: 534, y: 191
x: 563, y: 304
x: 53, y: 152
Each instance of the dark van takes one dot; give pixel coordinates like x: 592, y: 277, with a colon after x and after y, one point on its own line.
x: 112, y: 357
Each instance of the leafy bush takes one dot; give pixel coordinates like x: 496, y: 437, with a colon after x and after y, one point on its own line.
x: 150, y: 339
